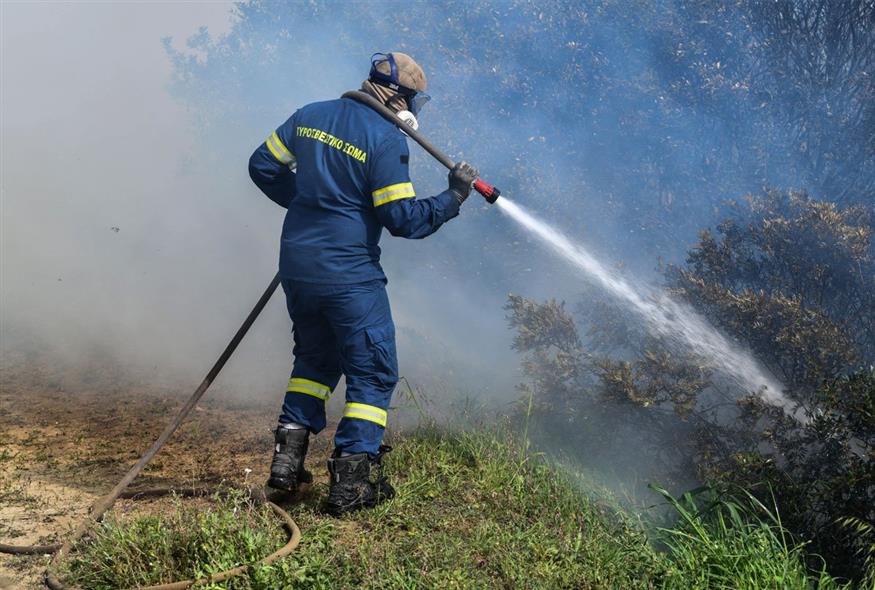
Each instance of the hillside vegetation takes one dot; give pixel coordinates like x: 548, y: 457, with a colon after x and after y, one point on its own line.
x: 792, y: 279
x: 472, y: 511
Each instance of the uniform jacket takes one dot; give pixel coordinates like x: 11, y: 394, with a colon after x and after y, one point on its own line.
x: 341, y: 170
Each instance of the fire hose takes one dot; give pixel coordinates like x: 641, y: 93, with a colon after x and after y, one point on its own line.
x: 105, y: 503
x: 489, y: 192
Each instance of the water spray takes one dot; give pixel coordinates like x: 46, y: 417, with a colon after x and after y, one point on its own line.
x: 665, y: 317
x: 674, y: 322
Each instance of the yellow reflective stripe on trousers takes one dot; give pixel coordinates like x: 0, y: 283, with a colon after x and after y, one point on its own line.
x: 279, y: 150
x: 308, y: 387
x: 402, y: 190
x: 366, y: 412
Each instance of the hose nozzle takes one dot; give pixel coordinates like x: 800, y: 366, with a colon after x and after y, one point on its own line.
x: 489, y: 192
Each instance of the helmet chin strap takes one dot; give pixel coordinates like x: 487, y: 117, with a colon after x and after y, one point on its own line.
x: 409, y: 118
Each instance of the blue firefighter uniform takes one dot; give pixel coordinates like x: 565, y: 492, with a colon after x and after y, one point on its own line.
x: 341, y: 170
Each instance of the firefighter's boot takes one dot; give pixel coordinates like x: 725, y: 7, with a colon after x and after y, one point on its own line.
x: 287, y: 469
x: 357, y: 481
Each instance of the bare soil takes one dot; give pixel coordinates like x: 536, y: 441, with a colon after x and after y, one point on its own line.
x: 61, y: 448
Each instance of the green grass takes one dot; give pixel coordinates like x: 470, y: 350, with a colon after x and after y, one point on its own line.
x: 731, y: 540
x: 189, y: 541
x: 470, y: 513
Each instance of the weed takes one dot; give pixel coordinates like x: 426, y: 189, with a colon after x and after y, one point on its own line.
x: 728, y: 539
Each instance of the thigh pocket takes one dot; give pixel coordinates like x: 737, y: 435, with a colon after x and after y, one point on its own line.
x: 381, y: 342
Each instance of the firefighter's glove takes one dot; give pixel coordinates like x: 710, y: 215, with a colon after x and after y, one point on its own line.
x: 461, y: 177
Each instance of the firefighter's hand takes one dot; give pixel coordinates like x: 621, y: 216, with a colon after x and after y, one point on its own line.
x: 461, y: 177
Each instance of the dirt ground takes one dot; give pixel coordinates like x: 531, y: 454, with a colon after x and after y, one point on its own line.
x: 63, y: 447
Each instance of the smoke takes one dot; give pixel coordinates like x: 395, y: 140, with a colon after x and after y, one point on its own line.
x: 131, y: 230
x: 107, y: 245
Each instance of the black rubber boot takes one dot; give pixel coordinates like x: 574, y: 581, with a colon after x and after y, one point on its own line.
x: 287, y: 469
x: 354, y: 485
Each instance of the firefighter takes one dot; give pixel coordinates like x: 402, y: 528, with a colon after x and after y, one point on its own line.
x: 341, y: 171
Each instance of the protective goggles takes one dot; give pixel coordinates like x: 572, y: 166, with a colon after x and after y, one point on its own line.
x: 415, y: 100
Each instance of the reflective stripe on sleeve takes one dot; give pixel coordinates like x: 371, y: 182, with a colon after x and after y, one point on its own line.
x: 279, y: 150
x: 402, y: 190
x: 308, y: 387
x: 366, y: 412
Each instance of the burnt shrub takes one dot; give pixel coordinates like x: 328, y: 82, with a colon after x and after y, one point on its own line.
x: 792, y: 279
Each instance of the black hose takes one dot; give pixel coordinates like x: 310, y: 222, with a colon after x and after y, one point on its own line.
x: 104, y: 504
x: 375, y: 104
x: 53, y: 582
x: 489, y: 192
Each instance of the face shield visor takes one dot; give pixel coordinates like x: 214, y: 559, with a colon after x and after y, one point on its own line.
x: 416, y: 101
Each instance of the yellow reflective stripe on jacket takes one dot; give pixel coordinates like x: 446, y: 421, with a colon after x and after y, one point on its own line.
x: 308, y: 387
x: 279, y: 150
x: 402, y: 190
x: 366, y: 412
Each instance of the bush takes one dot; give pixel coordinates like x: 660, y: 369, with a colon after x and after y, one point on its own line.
x: 788, y: 276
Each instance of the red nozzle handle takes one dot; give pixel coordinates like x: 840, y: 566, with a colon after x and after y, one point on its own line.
x: 489, y: 192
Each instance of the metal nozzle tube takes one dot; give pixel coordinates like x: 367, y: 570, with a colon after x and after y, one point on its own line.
x: 489, y: 192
